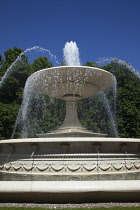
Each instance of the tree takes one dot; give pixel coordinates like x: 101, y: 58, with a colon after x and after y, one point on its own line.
x: 12, y: 87
x: 128, y: 100
x: 1, y: 60
x: 8, y: 113
x: 92, y: 64
x: 10, y: 57
x: 11, y: 90
x: 41, y: 63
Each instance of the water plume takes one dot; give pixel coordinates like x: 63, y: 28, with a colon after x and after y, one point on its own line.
x: 71, y: 54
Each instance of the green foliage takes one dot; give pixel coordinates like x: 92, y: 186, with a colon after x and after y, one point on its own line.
x: 10, y: 57
x: 127, y: 103
x: 1, y: 60
x: 8, y: 113
x: 92, y: 64
x: 8, y: 91
x: 94, y: 115
x: 41, y: 63
x: 11, y: 90
x: 128, y: 99
x: 13, y: 85
x: 44, y: 114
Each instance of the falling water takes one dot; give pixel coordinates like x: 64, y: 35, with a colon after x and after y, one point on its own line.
x: 34, y: 105
x: 7, y: 160
x: 31, y: 53
x: 124, y: 64
x: 9, y: 70
x: 22, y: 124
x: 35, y: 110
x: 71, y: 54
x: 23, y: 112
x: 111, y: 116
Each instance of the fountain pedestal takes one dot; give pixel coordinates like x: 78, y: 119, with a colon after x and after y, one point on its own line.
x: 71, y: 125
x: 72, y: 83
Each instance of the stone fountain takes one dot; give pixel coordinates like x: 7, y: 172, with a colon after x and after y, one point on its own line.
x: 70, y: 164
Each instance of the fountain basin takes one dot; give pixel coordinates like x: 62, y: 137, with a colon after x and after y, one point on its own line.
x: 70, y: 169
x: 69, y: 159
x: 65, y: 192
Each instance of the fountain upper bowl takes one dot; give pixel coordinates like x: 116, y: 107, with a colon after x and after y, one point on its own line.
x: 71, y: 81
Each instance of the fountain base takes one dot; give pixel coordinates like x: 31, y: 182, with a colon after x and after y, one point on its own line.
x: 65, y: 192
x: 71, y: 132
x: 69, y: 169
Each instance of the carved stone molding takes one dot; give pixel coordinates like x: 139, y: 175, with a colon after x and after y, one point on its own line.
x: 72, y: 167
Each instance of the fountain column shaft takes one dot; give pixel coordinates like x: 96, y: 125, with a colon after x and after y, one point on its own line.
x: 71, y: 118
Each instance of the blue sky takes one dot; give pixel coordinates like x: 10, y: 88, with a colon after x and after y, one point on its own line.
x: 101, y: 28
